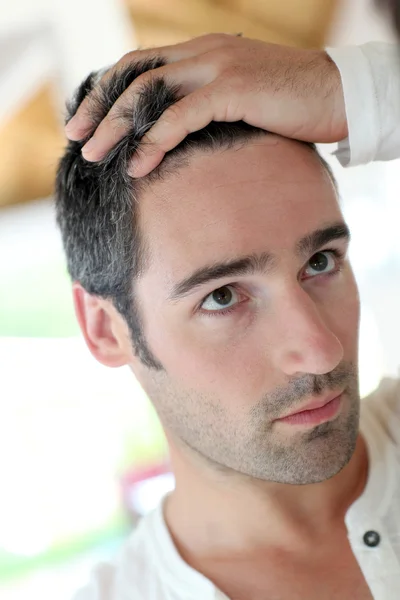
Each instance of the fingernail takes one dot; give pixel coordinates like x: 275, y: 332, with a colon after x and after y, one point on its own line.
x: 75, y: 128
x: 89, y: 146
x: 70, y: 126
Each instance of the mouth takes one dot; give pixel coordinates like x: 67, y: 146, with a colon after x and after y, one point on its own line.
x: 315, y: 412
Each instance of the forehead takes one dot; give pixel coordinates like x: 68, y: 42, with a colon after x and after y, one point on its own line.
x: 262, y: 196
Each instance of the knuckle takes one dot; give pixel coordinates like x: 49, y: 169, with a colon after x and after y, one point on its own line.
x: 115, y: 121
x: 224, y: 57
x: 218, y: 41
x: 149, y: 146
x: 216, y: 36
x: 173, y: 114
x: 128, y: 57
x: 133, y: 56
x: 141, y: 80
x: 123, y: 62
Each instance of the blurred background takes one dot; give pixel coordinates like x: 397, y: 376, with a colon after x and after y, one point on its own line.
x: 82, y: 454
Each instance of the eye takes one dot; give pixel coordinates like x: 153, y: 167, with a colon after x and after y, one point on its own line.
x: 323, y: 262
x: 221, y: 299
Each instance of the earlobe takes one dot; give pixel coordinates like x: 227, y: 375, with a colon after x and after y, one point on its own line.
x: 98, y: 322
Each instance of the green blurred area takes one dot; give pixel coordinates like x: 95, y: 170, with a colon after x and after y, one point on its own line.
x: 37, y: 302
x: 13, y: 566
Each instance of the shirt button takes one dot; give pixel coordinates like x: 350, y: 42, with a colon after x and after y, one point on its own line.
x: 371, y: 538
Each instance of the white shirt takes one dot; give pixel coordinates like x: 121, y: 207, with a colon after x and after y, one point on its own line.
x: 149, y: 566
x: 371, y: 85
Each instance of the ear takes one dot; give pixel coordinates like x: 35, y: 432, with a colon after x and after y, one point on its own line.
x: 103, y: 328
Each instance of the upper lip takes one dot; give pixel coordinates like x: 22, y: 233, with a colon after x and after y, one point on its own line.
x: 317, y: 403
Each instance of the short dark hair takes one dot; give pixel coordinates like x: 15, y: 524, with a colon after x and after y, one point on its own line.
x: 97, y: 203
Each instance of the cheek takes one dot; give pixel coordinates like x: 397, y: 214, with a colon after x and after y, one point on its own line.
x: 345, y: 317
x: 235, y: 367
x: 239, y: 367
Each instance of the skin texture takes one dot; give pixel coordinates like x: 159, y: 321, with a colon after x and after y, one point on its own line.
x: 226, y: 377
x: 292, y: 336
x: 290, y: 91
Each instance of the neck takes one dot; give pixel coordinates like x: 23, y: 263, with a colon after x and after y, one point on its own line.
x: 219, y: 515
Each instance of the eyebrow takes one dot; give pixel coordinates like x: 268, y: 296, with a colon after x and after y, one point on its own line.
x: 263, y: 263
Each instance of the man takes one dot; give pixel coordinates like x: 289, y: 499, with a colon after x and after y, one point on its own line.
x: 221, y: 278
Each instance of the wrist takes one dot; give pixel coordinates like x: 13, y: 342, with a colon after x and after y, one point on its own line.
x: 334, y: 91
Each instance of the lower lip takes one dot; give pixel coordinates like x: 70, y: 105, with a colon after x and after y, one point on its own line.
x: 315, y: 416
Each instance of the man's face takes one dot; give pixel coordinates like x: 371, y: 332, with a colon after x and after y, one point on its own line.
x: 275, y: 326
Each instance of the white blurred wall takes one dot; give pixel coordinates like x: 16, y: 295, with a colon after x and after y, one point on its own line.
x: 64, y: 38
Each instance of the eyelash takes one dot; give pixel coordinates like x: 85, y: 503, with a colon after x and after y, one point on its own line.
x: 338, y: 254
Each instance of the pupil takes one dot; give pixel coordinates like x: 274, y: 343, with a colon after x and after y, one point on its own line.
x: 319, y: 262
x: 222, y: 296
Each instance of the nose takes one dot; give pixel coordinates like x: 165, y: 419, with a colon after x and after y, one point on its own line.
x: 304, y: 342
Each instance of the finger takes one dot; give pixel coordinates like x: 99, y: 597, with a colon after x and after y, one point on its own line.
x: 80, y: 126
x: 186, y: 75
x: 192, y: 113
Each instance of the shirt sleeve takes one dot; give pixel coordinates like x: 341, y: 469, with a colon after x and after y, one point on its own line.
x: 371, y: 86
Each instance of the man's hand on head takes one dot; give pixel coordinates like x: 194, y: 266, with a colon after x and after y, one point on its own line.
x: 293, y: 92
